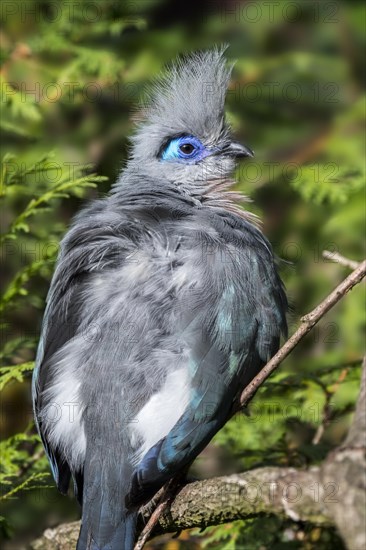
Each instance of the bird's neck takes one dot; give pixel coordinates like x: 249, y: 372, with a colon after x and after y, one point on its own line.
x: 137, y: 192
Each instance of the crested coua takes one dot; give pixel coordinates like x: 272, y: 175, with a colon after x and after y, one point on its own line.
x: 164, y: 304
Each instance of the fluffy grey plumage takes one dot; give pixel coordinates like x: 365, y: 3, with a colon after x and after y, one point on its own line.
x: 164, y: 304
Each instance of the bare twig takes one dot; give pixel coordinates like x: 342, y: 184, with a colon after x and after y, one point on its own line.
x: 331, y: 368
x: 339, y: 259
x: 152, y: 522
x: 169, y: 492
x: 166, y: 498
x: 307, y: 323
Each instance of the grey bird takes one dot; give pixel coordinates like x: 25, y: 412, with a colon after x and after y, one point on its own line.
x: 164, y: 304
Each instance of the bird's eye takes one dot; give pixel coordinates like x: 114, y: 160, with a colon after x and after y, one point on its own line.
x: 187, y: 148
x: 184, y: 149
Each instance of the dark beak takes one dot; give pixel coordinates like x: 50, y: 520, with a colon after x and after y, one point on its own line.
x: 238, y: 150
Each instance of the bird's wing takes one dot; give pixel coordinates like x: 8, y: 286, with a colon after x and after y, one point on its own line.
x: 86, y: 250
x: 233, y: 323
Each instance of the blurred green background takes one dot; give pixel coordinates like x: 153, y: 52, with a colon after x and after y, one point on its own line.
x: 73, y: 75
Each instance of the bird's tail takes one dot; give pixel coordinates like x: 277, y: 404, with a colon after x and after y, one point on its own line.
x: 122, y: 536
x: 106, y: 523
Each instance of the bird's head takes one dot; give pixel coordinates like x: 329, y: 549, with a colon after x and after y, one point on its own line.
x: 184, y: 137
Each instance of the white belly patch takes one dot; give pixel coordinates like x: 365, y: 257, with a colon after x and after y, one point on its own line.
x: 162, y: 411
x: 62, y: 414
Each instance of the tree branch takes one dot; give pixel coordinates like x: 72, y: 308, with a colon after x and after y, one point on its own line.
x: 339, y: 259
x: 286, y: 492
x: 345, y: 469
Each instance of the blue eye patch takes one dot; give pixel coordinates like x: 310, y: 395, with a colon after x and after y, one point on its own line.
x: 184, y: 149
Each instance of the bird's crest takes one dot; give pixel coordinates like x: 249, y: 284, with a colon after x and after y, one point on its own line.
x: 190, y: 96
